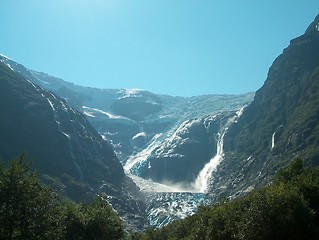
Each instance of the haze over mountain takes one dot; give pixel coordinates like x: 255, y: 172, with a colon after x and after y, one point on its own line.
x: 139, y: 124
x: 180, y: 151
x: 179, y: 48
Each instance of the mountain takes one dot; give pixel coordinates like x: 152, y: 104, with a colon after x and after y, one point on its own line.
x: 130, y: 118
x: 189, y: 151
x: 176, y: 136
x: 180, y: 158
x: 282, y: 121
x: 66, y: 150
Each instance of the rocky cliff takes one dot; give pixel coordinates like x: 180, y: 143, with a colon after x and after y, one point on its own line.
x: 65, y: 149
x: 181, y: 157
x: 281, y: 123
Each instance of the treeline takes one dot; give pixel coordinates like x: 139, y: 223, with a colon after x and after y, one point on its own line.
x: 31, y: 210
x: 286, y: 209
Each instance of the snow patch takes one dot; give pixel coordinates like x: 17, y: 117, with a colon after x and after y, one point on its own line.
x: 51, y: 104
x: 141, y: 134
x: 130, y: 92
x: 33, y: 85
x: 142, y: 156
x: 9, y: 66
x: 3, y: 56
x: 90, y: 112
x: 67, y: 135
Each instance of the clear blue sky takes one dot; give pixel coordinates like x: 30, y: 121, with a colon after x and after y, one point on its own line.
x: 176, y: 47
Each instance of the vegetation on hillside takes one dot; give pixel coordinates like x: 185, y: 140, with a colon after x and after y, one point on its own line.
x: 31, y: 210
x: 286, y: 209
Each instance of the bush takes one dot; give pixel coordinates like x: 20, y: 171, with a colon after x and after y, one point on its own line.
x: 31, y: 210
x: 287, y: 209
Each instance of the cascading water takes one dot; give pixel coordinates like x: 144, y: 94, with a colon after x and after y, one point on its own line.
x: 202, y: 179
x: 166, y: 203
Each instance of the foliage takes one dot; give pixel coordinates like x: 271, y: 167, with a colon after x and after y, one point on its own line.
x: 92, y: 221
x: 31, y: 210
x: 28, y: 209
x: 286, y: 209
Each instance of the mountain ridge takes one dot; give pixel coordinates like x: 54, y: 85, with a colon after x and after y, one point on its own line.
x: 66, y: 150
x: 280, y: 123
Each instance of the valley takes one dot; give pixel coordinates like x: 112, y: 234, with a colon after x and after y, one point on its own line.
x: 157, y: 158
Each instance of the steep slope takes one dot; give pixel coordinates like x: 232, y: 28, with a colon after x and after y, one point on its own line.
x: 179, y: 158
x: 281, y: 123
x: 65, y: 148
x: 43, y: 124
x: 130, y: 118
x: 177, y: 136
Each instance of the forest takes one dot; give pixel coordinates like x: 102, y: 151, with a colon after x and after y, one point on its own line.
x: 31, y: 210
x: 285, y: 209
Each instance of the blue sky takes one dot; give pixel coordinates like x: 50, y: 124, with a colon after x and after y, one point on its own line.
x: 176, y: 47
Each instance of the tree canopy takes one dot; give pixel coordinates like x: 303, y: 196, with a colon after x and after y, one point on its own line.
x: 31, y: 210
x: 286, y: 209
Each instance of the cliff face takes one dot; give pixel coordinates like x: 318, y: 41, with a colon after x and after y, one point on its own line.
x: 58, y: 137
x: 130, y: 118
x: 282, y: 121
x: 63, y: 145
x: 180, y: 158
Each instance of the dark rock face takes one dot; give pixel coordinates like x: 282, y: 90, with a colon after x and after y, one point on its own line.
x: 59, y: 137
x: 137, y: 106
x: 63, y: 146
x: 181, y: 157
x: 122, y: 115
x: 131, y: 121
x: 281, y: 123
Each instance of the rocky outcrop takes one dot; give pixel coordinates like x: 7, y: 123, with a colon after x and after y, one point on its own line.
x: 63, y: 145
x: 120, y: 115
x: 180, y: 158
x: 137, y: 104
x: 59, y: 137
x: 281, y: 123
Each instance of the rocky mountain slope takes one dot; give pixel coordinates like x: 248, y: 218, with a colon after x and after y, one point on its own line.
x: 220, y: 145
x: 130, y: 118
x: 187, y: 151
x: 198, y: 144
x: 163, y: 138
x: 66, y: 150
x: 281, y: 123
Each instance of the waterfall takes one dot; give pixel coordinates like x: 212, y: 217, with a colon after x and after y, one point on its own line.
x: 273, y: 140
x: 202, y: 179
x: 274, y: 135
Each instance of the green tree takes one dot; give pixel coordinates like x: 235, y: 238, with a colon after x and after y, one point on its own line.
x: 28, y: 209
x: 291, y: 172
x: 93, y: 221
x: 286, y: 209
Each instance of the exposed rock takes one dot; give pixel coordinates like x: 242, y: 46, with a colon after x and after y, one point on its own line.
x: 282, y: 122
x: 64, y: 146
x: 137, y: 104
x: 180, y: 158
